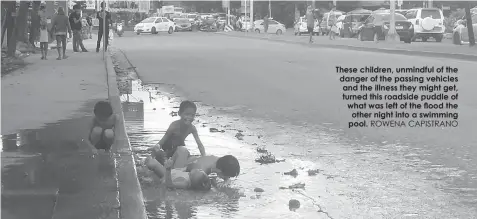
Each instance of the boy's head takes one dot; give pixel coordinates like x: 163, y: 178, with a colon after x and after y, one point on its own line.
x: 187, y: 111
x: 199, y: 180
x: 103, y: 110
x: 228, y: 166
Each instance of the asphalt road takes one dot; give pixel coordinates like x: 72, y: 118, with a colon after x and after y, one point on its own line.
x: 298, y: 85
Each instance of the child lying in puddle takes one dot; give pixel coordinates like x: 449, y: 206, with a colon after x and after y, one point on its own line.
x: 101, y: 134
x: 177, y: 177
x: 179, y: 130
x: 224, y: 167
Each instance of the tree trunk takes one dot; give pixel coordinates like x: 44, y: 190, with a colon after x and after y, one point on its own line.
x: 35, y: 23
x: 21, y: 22
x: 8, y: 7
x: 10, y: 28
x: 470, y: 28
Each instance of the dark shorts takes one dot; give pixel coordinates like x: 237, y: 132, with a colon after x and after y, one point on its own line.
x: 102, y: 144
x: 310, y: 29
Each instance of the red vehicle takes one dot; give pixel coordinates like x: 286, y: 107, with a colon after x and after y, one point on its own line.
x: 376, y: 27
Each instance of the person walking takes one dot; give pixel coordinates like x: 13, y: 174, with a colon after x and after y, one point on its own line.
x: 104, y: 18
x: 43, y: 32
x: 265, y: 24
x: 89, y: 22
x: 310, y: 22
x: 332, y: 23
x: 76, y: 26
x: 61, y: 27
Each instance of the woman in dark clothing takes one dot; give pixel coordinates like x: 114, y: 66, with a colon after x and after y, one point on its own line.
x: 61, y: 27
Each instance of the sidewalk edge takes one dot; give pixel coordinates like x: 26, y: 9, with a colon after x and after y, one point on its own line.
x: 458, y: 56
x: 130, y: 194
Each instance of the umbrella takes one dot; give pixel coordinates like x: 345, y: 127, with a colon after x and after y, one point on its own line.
x: 360, y: 11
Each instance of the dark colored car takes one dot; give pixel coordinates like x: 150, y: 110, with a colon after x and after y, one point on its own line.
x: 183, y: 24
x: 376, y: 27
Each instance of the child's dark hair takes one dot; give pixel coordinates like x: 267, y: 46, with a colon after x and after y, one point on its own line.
x: 187, y: 104
x: 229, y: 166
x: 103, y: 109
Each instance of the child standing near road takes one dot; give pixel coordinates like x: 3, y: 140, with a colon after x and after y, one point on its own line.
x: 179, y: 130
x: 101, y: 135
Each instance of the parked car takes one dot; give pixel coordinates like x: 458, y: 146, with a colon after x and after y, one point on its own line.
x: 324, y: 25
x: 273, y: 27
x: 428, y: 22
x: 154, y: 25
x: 182, y: 24
x: 246, y: 23
x: 352, y: 23
x: 303, y: 27
x: 376, y: 27
x: 460, y: 34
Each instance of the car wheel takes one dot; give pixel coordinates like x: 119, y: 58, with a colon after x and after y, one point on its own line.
x: 153, y: 30
x: 299, y: 34
x: 456, y: 39
x: 279, y: 32
x: 170, y: 30
x: 439, y: 38
x: 407, y: 40
x: 138, y: 33
x: 257, y: 31
x: 424, y: 39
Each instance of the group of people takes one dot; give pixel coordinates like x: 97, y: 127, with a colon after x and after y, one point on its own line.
x: 311, y: 20
x: 170, y: 160
x: 63, y: 26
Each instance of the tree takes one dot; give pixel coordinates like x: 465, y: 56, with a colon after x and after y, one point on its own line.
x: 8, y: 22
x: 470, y: 28
x: 35, y: 22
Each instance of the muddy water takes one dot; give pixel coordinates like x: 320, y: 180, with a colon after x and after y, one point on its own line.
x: 357, y: 179
x: 361, y: 182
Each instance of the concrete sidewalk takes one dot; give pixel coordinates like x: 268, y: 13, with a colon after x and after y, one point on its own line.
x: 47, y: 170
x: 444, y: 49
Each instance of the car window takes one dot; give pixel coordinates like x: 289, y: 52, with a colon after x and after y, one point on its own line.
x: 165, y: 20
x: 273, y: 22
x: 370, y: 19
x: 158, y: 20
x: 411, y: 14
x: 432, y: 13
x: 148, y: 20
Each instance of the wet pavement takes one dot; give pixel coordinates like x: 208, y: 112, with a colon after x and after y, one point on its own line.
x: 52, y: 173
x: 283, y: 107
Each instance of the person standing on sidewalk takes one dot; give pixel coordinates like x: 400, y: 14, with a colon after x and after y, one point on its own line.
x: 43, y: 32
x: 332, y: 23
x: 89, y: 21
x: 310, y: 22
x: 61, y: 27
x: 265, y: 24
x: 104, y: 18
x: 76, y: 26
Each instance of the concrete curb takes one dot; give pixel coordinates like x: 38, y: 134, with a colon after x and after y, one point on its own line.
x: 458, y: 56
x: 130, y: 193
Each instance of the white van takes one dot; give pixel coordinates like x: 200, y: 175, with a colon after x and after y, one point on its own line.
x: 428, y: 22
x: 324, y: 26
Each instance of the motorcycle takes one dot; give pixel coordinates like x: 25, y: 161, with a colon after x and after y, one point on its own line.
x: 119, y: 30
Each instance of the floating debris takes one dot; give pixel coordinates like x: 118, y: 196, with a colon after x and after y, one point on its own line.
x: 153, y: 108
x: 239, y: 136
x: 267, y: 159
x: 294, y: 186
x: 213, y: 130
x: 173, y: 114
x: 258, y: 190
x: 259, y: 136
x: 313, y: 172
x: 261, y: 149
x: 293, y: 204
x: 293, y: 173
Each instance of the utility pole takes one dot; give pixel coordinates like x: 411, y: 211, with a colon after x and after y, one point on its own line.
x: 270, y: 9
x: 245, y: 17
x: 470, y: 28
x: 251, y: 15
x: 392, y: 36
